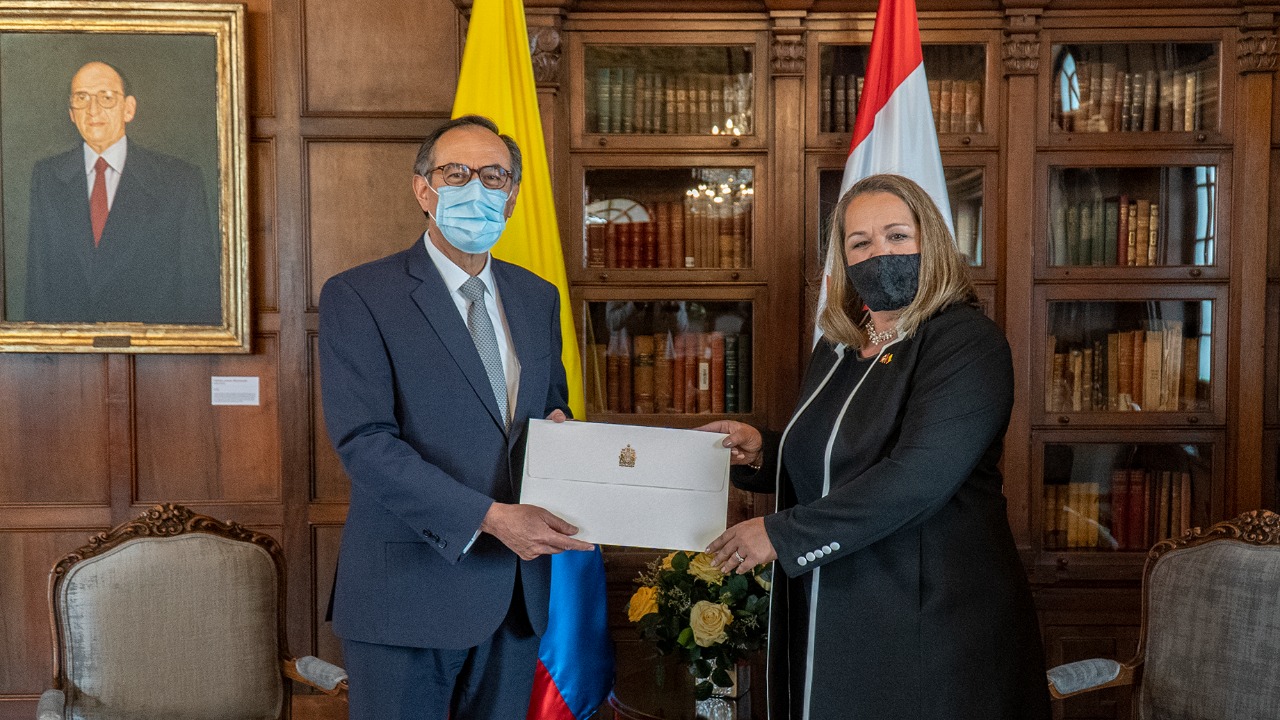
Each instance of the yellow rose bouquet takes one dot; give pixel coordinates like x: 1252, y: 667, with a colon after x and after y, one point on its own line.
x: 712, y: 620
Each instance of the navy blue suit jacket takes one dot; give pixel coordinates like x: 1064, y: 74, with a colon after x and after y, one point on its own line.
x: 157, y: 262
x: 410, y: 410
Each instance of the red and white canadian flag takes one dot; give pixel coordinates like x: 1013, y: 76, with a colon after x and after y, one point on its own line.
x: 894, y: 131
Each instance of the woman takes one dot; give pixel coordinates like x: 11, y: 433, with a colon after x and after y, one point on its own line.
x: 899, y: 590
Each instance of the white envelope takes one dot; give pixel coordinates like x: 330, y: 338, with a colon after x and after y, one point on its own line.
x: 628, y: 484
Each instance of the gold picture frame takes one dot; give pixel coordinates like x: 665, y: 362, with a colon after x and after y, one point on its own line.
x: 169, y: 78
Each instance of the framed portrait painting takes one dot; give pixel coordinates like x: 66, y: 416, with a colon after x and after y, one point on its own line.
x: 122, y: 178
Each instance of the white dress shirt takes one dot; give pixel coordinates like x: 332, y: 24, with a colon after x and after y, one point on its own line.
x: 115, y: 157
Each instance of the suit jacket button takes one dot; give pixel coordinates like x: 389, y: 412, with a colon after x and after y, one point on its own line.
x: 802, y: 561
x: 810, y: 556
x: 444, y: 544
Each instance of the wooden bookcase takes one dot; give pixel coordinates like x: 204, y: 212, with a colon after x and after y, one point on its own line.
x: 1039, y: 162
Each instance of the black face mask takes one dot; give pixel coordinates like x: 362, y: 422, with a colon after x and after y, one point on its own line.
x: 886, y: 282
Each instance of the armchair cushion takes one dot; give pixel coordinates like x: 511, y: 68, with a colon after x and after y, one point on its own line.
x: 1083, y: 674
x: 168, y: 627
x: 324, y: 675
x: 51, y: 705
x: 1213, y: 619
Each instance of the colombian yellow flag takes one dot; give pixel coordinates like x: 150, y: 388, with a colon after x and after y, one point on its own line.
x: 497, y: 81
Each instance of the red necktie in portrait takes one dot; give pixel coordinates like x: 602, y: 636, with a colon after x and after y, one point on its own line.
x: 98, y: 200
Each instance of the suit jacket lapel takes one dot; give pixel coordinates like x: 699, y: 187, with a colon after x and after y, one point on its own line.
x: 74, y: 194
x: 432, y: 298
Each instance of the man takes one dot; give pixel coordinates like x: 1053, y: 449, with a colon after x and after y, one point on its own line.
x: 429, y: 378
x: 118, y: 233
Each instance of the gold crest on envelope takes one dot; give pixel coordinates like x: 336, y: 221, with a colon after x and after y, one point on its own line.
x: 627, y: 458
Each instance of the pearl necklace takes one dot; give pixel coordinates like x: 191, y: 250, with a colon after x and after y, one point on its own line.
x: 877, y: 337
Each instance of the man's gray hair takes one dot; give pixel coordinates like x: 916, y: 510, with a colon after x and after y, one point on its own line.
x: 426, y: 160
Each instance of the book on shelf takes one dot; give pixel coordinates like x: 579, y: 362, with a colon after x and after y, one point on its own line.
x: 1122, y: 231
x: 840, y: 112
x: 604, y: 109
x: 1141, y: 233
x: 1190, y: 374
x: 662, y: 219
x: 642, y: 374
x: 1153, y: 232
x: 1119, y: 515
x: 717, y: 368
x: 643, y: 97
x: 731, y: 373
x: 663, y: 373
x: 825, y: 121
x: 596, y: 243
x: 853, y: 95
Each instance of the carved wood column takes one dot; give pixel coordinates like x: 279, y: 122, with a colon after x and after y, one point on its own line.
x: 546, y: 43
x: 1021, y: 58
x: 787, y: 237
x: 1256, y: 56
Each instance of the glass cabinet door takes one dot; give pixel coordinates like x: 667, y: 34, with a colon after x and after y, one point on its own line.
x: 668, y: 218
x: 956, y: 75
x: 1133, y: 216
x: 965, y: 188
x: 1129, y: 356
x: 1124, y: 496
x: 669, y: 89
x: 1135, y: 87
x: 684, y: 357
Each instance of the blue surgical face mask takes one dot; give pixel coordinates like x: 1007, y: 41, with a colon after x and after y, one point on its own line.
x: 471, y: 217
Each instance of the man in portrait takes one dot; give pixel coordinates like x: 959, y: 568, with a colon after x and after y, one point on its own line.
x: 118, y: 233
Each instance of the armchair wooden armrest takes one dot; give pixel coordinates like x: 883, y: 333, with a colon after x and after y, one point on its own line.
x: 1089, y: 675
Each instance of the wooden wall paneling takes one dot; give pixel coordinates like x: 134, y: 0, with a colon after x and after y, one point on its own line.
x: 1082, y: 623
x: 191, y: 451
x: 389, y: 58
x: 324, y: 561
x: 260, y: 68
x: 263, y: 250
x: 360, y: 203
x: 329, y: 481
x: 26, y: 653
x: 54, y: 434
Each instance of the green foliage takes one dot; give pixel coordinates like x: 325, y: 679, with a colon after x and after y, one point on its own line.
x: 679, y: 589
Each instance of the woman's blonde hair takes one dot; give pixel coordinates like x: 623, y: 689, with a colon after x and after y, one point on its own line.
x: 944, y: 276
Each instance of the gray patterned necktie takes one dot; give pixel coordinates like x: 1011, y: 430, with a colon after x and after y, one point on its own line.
x: 486, y: 340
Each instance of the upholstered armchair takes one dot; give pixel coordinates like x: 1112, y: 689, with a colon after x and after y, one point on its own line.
x: 174, y: 615
x: 1209, y: 646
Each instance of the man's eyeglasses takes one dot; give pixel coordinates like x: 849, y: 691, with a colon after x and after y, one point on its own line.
x: 494, y: 177
x: 107, y: 99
